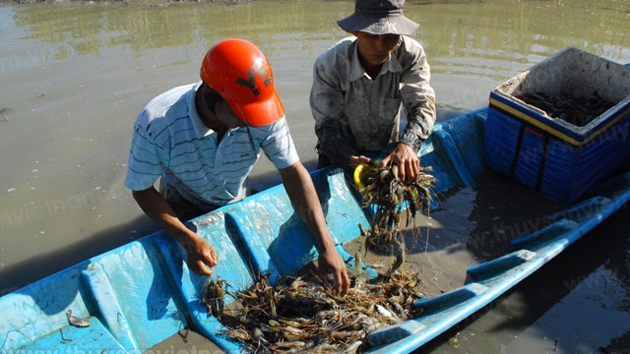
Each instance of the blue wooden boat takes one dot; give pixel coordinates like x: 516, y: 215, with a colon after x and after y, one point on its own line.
x: 142, y: 293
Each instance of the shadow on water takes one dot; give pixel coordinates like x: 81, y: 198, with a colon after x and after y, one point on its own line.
x: 504, y: 210
x: 28, y: 271
x: 524, y: 305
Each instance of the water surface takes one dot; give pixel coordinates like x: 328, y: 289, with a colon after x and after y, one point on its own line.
x: 73, y: 77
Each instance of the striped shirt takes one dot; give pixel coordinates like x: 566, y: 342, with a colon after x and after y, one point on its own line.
x: 171, y: 141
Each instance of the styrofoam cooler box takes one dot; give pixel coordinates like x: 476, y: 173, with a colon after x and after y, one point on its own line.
x: 561, y: 126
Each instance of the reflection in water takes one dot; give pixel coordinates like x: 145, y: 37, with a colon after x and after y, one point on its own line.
x: 80, y: 72
x: 145, y: 27
x: 456, y: 35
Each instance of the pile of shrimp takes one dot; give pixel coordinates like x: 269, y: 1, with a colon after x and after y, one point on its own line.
x: 299, y: 314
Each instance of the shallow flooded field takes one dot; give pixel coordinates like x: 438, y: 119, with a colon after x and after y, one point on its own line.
x: 73, y: 76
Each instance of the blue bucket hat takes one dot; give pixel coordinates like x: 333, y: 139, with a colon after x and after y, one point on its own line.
x: 378, y: 17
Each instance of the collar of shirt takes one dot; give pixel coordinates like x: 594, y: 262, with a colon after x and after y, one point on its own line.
x: 357, y: 71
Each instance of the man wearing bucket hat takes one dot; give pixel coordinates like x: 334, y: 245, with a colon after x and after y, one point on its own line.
x: 203, y: 140
x: 360, y: 85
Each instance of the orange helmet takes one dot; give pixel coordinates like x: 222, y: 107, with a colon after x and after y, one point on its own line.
x: 240, y: 72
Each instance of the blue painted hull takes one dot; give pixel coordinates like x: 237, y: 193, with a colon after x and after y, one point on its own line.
x: 140, y: 294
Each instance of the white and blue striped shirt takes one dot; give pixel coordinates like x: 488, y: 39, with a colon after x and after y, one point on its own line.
x: 171, y: 141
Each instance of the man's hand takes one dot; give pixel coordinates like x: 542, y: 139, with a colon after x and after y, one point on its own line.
x: 201, y: 256
x: 355, y: 161
x: 407, y: 161
x: 330, y: 263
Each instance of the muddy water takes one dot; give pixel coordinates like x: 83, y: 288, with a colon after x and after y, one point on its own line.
x: 73, y: 77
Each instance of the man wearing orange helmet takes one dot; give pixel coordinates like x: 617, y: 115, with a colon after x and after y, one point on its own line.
x: 203, y: 140
x: 360, y: 86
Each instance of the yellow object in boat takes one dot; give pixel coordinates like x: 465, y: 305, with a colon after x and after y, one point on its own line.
x: 361, y: 171
x: 357, y: 176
